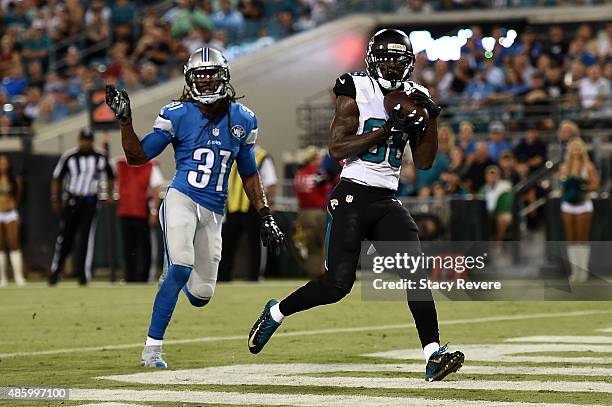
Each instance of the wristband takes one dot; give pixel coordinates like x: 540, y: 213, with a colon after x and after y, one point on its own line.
x: 265, y: 211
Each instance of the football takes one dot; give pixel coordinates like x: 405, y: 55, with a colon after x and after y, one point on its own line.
x: 406, y: 103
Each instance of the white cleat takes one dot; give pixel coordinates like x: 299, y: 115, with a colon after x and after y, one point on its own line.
x: 152, y: 357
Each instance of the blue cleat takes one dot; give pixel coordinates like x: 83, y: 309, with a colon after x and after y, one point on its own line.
x: 263, y: 329
x: 152, y: 357
x: 441, y: 364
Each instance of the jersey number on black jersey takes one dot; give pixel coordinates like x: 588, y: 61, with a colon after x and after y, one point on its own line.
x: 390, y: 149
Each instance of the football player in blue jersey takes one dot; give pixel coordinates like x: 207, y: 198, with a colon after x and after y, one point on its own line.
x: 208, y: 130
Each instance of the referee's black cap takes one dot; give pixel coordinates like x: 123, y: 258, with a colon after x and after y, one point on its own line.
x: 86, y: 133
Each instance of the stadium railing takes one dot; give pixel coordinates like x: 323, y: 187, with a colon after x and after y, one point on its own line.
x: 314, y: 117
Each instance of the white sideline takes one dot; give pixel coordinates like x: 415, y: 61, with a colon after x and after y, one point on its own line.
x: 303, y: 400
x: 499, y: 318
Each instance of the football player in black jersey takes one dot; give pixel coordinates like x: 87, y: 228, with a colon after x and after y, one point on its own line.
x: 363, y: 205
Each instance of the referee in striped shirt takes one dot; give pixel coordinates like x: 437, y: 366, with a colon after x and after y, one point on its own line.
x: 82, y: 169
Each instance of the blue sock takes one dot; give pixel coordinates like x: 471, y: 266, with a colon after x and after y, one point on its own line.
x: 166, y: 298
x: 195, y: 301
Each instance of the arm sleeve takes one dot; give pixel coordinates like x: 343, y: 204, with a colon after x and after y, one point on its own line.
x: 155, y: 142
x: 245, y: 160
x: 345, y: 86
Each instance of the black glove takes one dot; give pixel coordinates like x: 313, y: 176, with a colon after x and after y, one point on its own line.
x: 119, y: 102
x: 422, y: 100
x: 271, y: 235
x: 408, y: 124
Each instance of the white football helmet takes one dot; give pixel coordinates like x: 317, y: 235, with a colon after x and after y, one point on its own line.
x: 207, y: 75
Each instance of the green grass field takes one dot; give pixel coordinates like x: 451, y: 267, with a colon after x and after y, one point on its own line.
x: 71, y: 337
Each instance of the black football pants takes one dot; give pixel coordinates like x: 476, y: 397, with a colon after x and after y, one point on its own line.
x: 77, y: 219
x: 136, y: 248
x: 356, y: 213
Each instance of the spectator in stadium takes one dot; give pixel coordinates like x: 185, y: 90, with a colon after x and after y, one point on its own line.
x: 10, y: 195
x: 446, y: 141
x: 9, y: 54
x: 61, y: 28
x: 186, y: 16
x: 530, y: 45
x: 457, y: 163
x: 474, y: 177
x: 604, y: 42
x: 497, y: 193
x: 252, y: 9
x: 36, y: 43
x: 312, y: 202
x: 82, y: 168
x: 415, y: 6
x: 494, y: 74
x: 97, y: 32
x: 478, y: 89
x: 453, y: 184
x: 19, y: 119
x: 305, y: 20
x: 443, y: 79
x: 462, y: 75
x: 137, y: 209
x: 36, y: 75
x: 594, y: 90
x: 578, y: 177
x: 556, y: 47
x: 537, y: 100
x: 508, y: 165
x: 153, y: 46
x: 578, y: 51
x: 227, y: 18
x: 531, y: 150
x: 123, y: 12
x: 241, y: 218
x: 555, y: 84
x: 16, y: 82
x: 33, y: 98
x: 466, y: 139
x: 148, y: 74
x: 497, y: 142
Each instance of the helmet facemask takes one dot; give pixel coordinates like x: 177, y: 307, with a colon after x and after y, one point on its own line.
x: 390, y: 69
x: 207, y: 84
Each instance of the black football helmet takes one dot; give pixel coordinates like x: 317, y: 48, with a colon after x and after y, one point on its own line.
x: 389, y: 58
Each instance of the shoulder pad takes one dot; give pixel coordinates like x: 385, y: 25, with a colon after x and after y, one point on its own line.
x: 173, y: 109
x: 345, y: 85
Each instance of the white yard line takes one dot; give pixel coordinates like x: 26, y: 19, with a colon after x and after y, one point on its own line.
x: 303, y: 400
x: 605, y: 330
x: 296, y: 375
x: 506, y: 352
x: 563, y: 339
x: 111, y: 405
x: 500, y: 318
